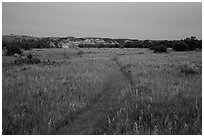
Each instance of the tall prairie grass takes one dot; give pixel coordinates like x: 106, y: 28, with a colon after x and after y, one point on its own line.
x: 103, y: 91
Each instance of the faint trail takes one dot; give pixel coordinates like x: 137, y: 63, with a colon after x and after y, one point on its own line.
x: 76, y: 119
x: 85, y: 120
x: 126, y: 72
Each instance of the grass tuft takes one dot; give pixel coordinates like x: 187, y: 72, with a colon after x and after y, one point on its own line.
x: 141, y: 115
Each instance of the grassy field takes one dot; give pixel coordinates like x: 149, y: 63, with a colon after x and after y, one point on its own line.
x: 103, y: 91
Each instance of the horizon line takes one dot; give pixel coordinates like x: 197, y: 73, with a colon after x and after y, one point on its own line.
x: 11, y: 34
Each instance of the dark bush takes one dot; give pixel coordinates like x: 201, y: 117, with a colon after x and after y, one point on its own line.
x: 29, y: 56
x: 199, y: 44
x: 193, y: 43
x: 26, y: 45
x: 159, y: 49
x: 33, y: 61
x: 180, y: 46
x: 13, y: 49
x: 4, y: 44
x: 151, y: 45
x: 86, y: 45
x: 128, y: 44
x: 132, y: 44
x: 30, y: 59
x: 80, y: 53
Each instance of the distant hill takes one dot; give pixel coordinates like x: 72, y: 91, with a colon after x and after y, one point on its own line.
x: 65, y: 42
x: 92, y: 42
x: 10, y: 38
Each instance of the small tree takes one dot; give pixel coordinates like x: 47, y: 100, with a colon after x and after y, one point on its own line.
x: 159, y: 49
x: 180, y: 46
x: 191, y: 42
x: 13, y: 49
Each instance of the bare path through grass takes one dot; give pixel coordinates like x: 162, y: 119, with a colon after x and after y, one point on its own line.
x: 88, y: 120
x: 126, y: 72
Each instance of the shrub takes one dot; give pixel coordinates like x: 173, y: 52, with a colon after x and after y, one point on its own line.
x: 29, y: 56
x: 193, y: 43
x: 30, y: 59
x: 199, y: 44
x: 128, y: 44
x: 33, y: 61
x: 80, y: 53
x: 180, y: 46
x: 151, y: 45
x: 188, y: 69
x: 13, y: 49
x: 159, y: 49
x: 27, y: 45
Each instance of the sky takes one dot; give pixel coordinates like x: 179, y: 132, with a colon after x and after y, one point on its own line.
x: 111, y: 20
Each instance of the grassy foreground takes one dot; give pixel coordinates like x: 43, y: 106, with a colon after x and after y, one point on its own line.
x: 103, y: 91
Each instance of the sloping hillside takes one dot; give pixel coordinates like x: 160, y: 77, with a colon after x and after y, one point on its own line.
x: 10, y: 38
x: 64, y: 42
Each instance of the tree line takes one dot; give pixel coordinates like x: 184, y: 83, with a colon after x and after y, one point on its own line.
x: 13, y: 47
x: 187, y: 44
x: 157, y: 46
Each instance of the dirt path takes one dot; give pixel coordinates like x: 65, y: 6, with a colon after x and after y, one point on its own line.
x: 125, y: 72
x: 89, y: 119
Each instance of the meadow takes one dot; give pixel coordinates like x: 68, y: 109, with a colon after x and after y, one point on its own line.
x: 102, y: 91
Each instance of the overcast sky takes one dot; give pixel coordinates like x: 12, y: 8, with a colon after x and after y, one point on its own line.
x: 114, y: 20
